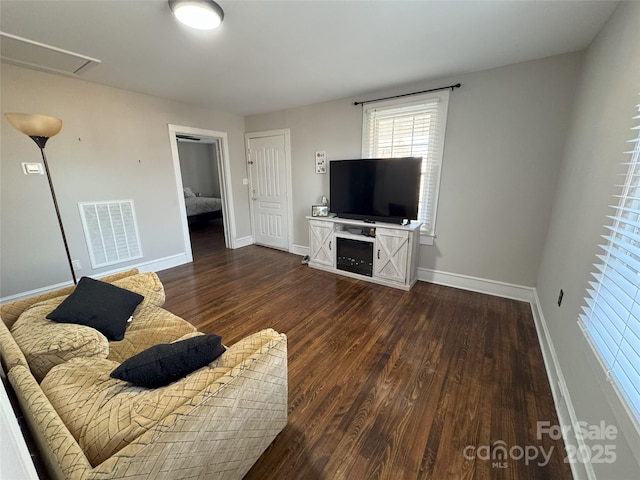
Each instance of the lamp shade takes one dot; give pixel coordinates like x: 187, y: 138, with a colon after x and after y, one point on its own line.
x: 35, y: 125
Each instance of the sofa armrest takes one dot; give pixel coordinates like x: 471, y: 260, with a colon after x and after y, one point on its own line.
x: 61, y: 453
x: 10, y: 353
x: 220, y: 432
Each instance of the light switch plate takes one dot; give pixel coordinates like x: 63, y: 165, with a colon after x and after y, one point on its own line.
x: 32, y: 168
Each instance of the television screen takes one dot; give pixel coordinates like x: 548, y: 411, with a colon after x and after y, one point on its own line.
x: 382, y: 189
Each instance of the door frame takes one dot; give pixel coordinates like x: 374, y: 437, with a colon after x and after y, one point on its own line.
x: 224, y: 170
x: 289, y: 181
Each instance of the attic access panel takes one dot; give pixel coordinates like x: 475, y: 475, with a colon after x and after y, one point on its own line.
x: 40, y: 56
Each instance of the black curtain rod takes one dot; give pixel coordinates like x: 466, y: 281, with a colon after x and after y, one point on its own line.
x: 457, y: 85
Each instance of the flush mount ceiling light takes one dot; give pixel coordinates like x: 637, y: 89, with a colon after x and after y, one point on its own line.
x: 200, y: 14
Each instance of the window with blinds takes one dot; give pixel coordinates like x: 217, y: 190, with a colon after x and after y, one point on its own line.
x: 411, y: 128
x: 611, y: 318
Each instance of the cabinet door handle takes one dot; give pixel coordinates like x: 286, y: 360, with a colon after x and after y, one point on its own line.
x: 329, y: 244
x: 378, y: 254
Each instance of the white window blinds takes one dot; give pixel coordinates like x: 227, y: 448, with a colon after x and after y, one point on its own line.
x: 611, y: 316
x: 412, y: 128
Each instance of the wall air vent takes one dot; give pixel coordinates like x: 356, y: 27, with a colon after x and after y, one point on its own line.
x: 111, y: 232
x: 40, y: 56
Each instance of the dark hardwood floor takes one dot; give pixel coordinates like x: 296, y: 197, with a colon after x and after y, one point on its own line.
x: 432, y: 383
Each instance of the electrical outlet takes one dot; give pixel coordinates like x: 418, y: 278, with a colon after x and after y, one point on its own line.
x: 76, y: 265
x: 560, y: 295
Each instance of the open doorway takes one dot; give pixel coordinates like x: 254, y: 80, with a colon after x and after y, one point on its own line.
x: 203, y: 178
x: 199, y: 169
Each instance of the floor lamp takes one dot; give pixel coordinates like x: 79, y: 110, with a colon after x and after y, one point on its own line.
x: 40, y: 128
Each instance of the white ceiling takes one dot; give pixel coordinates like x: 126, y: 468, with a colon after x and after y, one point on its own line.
x: 271, y: 55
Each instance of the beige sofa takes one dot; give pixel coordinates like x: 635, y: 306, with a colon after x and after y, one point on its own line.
x: 213, y: 424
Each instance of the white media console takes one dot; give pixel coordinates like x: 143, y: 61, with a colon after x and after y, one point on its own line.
x: 381, y: 253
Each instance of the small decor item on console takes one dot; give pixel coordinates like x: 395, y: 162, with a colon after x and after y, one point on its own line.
x: 320, y: 211
x: 369, y: 231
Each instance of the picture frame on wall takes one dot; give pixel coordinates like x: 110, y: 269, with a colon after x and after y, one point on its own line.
x: 320, y: 211
x: 321, y: 162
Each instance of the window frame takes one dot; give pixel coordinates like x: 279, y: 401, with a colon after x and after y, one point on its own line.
x: 442, y: 97
x: 597, y: 304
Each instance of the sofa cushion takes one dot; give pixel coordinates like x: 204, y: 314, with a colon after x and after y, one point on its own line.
x: 55, y: 343
x: 99, y: 305
x: 165, y: 363
x: 146, y: 284
x: 150, y: 326
x: 11, y: 311
x: 105, y: 414
x: 46, y: 344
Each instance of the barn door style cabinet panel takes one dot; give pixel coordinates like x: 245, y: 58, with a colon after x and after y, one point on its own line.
x: 322, y: 244
x: 381, y: 253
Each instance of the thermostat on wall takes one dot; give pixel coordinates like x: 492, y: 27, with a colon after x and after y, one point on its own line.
x: 32, y: 168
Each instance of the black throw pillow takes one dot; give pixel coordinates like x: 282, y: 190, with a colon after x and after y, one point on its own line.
x: 99, y: 305
x: 167, y: 362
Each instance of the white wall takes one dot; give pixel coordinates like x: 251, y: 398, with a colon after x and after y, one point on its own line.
x: 114, y: 144
x: 606, y: 101
x: 505, y: 134
x: 199, y: 167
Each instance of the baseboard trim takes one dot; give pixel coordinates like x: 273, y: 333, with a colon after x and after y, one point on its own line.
x: 150, y: 266
x: 160, y: 264
x: 561, y: 396
x: 243, y: 242
x: 36, y: 291
x: 475, y: 284
x: 299, y: 250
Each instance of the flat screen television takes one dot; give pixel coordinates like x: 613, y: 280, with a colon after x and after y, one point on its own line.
x: 375, y: 190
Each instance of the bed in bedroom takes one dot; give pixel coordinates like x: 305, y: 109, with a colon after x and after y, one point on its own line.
x: 201, y: 208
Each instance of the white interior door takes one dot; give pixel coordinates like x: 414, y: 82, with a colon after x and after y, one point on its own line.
x: 268, y: 190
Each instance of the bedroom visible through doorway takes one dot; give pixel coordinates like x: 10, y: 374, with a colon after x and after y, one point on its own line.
x: 202, y: 191
x: 217, y: 144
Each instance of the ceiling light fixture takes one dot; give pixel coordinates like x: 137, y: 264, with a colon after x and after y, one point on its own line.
x: 200, y: 14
